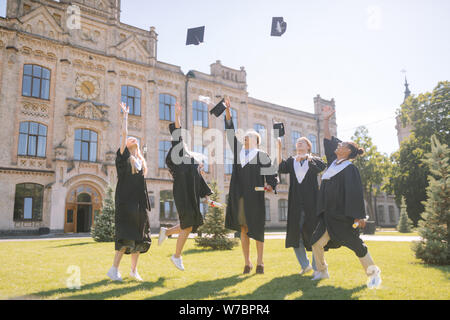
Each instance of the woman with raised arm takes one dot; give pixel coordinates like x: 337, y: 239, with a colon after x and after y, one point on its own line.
x: 132, y: 225
x: 303, y: 169
x: 340, y: 205
x: 188, y: 187
x: 252, y: 174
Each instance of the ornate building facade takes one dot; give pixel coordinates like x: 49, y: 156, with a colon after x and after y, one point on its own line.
x: 60, y: 89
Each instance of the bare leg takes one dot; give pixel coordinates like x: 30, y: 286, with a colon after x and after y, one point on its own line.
x: 182, y: 237
x: 260, y: 251
x: 134, y: 261
x: 118, y: 257
x: 245, y: 242
x: 173, y: 230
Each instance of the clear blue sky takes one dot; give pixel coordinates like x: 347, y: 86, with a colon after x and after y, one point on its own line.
x: 349, y: 50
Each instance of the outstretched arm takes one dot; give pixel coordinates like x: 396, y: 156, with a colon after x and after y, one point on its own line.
x: 327, y: 113
x: 124, y: 134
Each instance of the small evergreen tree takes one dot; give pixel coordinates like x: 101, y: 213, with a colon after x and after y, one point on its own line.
x: 104, y: 223
x: 404, y: 223
x: 214, y: 235
x: 433, y: 248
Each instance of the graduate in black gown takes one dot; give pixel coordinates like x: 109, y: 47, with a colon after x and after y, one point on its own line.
x: 341, y: 206
x: 303, y: 169
x: 252, y: 168
x: 188, y: 187
x: 132, y: 226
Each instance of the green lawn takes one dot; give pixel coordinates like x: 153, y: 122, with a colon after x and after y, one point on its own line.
x: 38, y: 270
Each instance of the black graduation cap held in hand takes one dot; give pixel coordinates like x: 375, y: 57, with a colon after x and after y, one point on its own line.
x: 279, y: 127
x: 195, y: 35
x: 219, y: 108
x: 278, y: 27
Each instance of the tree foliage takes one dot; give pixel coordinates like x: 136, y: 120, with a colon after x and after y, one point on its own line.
x: 434, y: 229
x: 104, y: 224
x: 214, y: 235
x: 372, y: 165
x: 428, y: 114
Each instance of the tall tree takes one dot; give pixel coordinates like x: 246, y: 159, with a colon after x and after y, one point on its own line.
x: 428, y: 113
x: 434, y: 229
x: 372, y: 166
x: 104, y: 224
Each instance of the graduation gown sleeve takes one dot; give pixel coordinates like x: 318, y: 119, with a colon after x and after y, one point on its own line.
x: 330, y: 146
x: 353, y: 193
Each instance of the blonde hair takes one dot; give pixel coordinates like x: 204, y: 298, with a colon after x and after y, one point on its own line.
x: 307, y: 142
x: 140, y: 157
x: 255, y: 134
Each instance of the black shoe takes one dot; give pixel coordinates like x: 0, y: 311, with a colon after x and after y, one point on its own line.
x: 260, y: 269
x: 247, y: 269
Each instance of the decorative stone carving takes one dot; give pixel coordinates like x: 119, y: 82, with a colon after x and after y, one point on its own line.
x: 35, y: 109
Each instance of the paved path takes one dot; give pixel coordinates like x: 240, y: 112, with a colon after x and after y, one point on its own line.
x: 268, y: 235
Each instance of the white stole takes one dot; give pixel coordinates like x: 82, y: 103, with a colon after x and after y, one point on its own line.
x: 335, y: 169
x: 246, y: 159
x: 301, y: 169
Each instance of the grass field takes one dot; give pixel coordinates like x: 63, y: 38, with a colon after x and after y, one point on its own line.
x: 39, y: 270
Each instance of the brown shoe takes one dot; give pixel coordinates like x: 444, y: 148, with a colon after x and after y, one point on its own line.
x: 260, y: 269
x: 247, y: 269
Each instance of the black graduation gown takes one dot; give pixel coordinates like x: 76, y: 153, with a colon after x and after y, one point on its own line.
x: 243, y: 183
x: 340, y: 201
x: 302, y: 198
x: 131, y: 201
x: 188, y: 186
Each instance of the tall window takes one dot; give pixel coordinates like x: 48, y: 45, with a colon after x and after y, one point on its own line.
x: 28, y: 202
x: 313, y: 140
x: 381, y: 213
x: 166, y: 107
x: 200, y: 113
x: 167, y: 208
x: 132, y: 97
x: 164, y: 147
x: 282, y: 209
x: 295, y: 136
x: 234, y: 117
x: 228, y: 163
x: 261, y: 129
x: 85, y: 148
x: 267, y: 205
x: 391, y: 213
x: 36, y: 81
x: 32, y: 139
x: 204, y: 151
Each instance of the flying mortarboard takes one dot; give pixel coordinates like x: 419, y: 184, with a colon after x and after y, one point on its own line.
x: 195, y: 35
x: 278, y: 27
x: 279, y: 127
x: 219, y: 108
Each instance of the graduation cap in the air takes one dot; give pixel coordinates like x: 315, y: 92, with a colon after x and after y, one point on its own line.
x: 278, y: 27
x: 219, y: 108
x: 195, y: 35
x: 279, y: 127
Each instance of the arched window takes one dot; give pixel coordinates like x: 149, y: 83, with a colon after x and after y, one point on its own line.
x: 166, y: 107
x: 261, y: 129
x: 28, y: 202
x: 295, y: 135
x: 200, y: 113
x: 228, y: 161
x: 32, y: 139
x: 380, y: 213
x: 132, y: 97
x: 282, y: 209
x: 313, y: 140
x: 267, y: 205
x: 85, y: 147
x: 391, y: 214
x: 36, y: 81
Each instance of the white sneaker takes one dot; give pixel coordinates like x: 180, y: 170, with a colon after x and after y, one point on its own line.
x: 136, y: 275
x: 178, y: 262
x: 306, y: 270
x: 374, y: 281
x: 114, y: 274
x: 162, y: 235
x: 320, y: 275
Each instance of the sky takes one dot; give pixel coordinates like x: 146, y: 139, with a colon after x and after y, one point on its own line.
x: 351, y: 50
